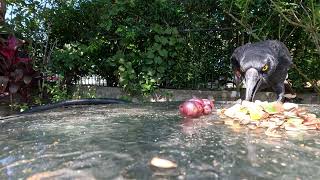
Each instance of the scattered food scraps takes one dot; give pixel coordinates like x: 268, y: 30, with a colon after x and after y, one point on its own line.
x: 271, y: 115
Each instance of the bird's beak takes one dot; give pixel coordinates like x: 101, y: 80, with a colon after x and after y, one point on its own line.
x: 253, y: 82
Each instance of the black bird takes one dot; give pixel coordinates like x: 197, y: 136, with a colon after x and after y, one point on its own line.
x: 263, y: 64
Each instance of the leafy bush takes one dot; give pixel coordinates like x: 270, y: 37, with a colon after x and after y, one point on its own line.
x: 143, y: 45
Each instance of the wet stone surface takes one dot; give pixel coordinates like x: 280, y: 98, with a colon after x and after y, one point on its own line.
x: 118, y: 142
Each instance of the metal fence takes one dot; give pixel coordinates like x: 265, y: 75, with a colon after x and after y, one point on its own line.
x: 210, y: 83
x: 93, y: 80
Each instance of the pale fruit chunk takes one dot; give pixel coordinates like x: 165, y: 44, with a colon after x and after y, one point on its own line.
x: 310, y: 117
x: 293, y: 127
x: 244, y: 118
x: 232, y: 111
x: 273, y: 108
x: 295, y: 121
x: 272, y: 132
x: 255, y: 110
x: 256, y: 113
x: 162, y: 163
x: 290, y: 106
x: 290, y: 114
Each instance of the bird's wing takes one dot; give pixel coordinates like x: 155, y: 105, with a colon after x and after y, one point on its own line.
x: 284, y: 57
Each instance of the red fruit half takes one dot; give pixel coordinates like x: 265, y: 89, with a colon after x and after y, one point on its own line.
x: 198, y: 100
x: 190, y: 109
x: 208, y: 102
x: 207, y: 109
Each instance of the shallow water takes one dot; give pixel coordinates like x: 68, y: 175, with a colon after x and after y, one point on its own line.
x: 118, y: 142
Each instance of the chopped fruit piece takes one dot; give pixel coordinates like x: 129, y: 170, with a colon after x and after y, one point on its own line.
x: 290, y: 106
x: 162, y: 163
x: 295, y: 121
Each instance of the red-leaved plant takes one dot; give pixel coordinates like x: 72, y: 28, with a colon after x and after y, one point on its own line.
x: 16, y: 71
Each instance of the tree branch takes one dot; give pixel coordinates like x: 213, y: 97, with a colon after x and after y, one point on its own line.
x: 244, y: 26
x: 285, y: 17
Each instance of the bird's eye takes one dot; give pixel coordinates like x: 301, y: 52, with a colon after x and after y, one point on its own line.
x: 265, y: 68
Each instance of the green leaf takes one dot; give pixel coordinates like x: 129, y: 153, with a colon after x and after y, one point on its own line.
x: 157, y: 28
x: 108, y: 24
x: 163, y: 53
x: 150, y: 55
x: 175, y: 31
x: 149, y: 61
x: 132, y: 76
x: 168, y: 31
x: 121, y: 69
x: 157, y: 46
x: 128, y: 65
x: 173, y: 54
x: 151, y: 72
x: 121, y: 60
x: 146, y: 86
x: 157, y: 38
x: 158, y: 60
x: 164, y: 40
x: 161, y: 69
x: 172, y: 41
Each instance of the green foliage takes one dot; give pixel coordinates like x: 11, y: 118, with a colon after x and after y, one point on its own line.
x: 71, y: 60
x: 20, y: 107
x: 57, y: 94
x: 149, y: 50
x: 84, y: 92
x: 143, y: 45
x: 142, y: 66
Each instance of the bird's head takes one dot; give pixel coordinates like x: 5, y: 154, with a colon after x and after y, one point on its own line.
x: 255, y: 69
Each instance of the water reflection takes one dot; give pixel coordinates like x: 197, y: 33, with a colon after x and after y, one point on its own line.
x: 191, y: 126
x: 118, y: 141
